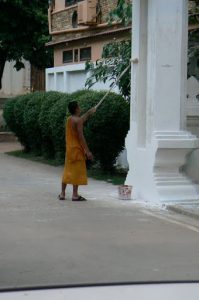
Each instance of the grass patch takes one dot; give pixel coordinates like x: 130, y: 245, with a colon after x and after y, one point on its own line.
x: 33, y: 157
x: 117, y: 177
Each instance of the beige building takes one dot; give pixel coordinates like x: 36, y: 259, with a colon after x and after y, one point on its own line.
x: 15, y: 82
x: 79, y: 30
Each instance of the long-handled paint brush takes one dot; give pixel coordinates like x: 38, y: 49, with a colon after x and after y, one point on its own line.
x: 116, y: 82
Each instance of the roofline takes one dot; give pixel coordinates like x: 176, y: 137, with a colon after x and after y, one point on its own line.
x: 109, y: 32
x: 50, y: 44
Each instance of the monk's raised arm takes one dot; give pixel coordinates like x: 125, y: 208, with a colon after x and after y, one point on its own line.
x: 90, y: 112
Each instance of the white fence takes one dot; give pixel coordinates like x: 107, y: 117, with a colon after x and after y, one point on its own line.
x: 70, y: 78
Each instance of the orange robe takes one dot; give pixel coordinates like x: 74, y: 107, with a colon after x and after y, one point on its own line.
x: 75, y: 163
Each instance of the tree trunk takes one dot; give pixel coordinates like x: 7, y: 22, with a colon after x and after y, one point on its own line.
x: 2, y: 65
x: 37, y: 79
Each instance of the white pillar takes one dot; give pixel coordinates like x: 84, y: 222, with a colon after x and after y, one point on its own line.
x: 157, y: 142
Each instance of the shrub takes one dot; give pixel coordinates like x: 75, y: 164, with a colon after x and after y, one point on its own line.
x: 31, y: 122
x: 57, y: 124
x: 20, y: 131
x: 14, y: 117
x: 38, y: 120
x: 107, y: 129
x: 80, y: 93
x: 8, y: 114
x: 50, y: 99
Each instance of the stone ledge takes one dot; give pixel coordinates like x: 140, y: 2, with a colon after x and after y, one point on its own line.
x: 2, y: 102
x: 183, y: 210
x: 7, y: 137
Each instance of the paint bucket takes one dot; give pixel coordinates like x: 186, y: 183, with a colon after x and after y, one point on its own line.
x: 124, y: 192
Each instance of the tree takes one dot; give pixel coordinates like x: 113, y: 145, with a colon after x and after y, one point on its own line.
x: 193, y: 49
x: 122, y: 13
x: 23, y: 33
x: 116, y: 56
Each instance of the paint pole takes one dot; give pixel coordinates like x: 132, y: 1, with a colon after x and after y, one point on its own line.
x: 108, y: 92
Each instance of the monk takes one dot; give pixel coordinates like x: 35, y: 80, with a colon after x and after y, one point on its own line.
x: 77, y: 151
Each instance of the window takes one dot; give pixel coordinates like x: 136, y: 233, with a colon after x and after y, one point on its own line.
x: 85, y: 54
x: 68, y: 56
x: 74, y: 20
x: 52, y: 3
x: 76, y: 55
x: 71, y: 2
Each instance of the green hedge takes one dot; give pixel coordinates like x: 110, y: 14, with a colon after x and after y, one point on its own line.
x: 19, y: 109
x: 39, y: 119
x: 31, y: 122
x: 50, y: 100
x: 57, y: 122
x: 107, y: 129
x: 8, y: 113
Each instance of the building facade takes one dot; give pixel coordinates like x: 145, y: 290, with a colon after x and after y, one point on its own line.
x: 79, y: 31
x: 15, y: 82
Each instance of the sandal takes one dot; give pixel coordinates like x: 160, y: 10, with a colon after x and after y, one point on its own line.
x: 61, y: 197
x: 80, y: 198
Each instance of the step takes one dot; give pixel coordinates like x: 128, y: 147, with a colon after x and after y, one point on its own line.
x: 172, y: 183
x: 7, y: 137
x: 173, y: 134
x: 165, y: 178
x: 170, y: 178
x: 180, y: 200
x: 2, y: 102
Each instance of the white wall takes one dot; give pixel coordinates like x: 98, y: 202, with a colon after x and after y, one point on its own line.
x: 15, y: 82
x: 70, y: 79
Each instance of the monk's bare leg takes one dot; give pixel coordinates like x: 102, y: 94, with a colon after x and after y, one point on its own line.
x: 76, y: 197
x: 63, y: 191
x: 75, y: 192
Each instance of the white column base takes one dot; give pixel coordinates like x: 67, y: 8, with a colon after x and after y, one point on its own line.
x: 155, y: 170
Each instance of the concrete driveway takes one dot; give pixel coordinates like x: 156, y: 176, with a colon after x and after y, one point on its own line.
x: 44, y: 241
